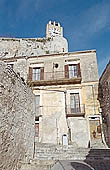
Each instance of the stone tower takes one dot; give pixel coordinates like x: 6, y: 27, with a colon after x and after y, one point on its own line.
x: 54, y: 29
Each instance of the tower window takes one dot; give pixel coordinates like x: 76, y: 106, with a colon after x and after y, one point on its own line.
x: 56, y: 24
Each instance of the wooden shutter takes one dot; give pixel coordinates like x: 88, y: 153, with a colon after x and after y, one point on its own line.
x: 30, y: 74
x: 42, y: 73
x: 79, y: 70
x: 66, y: 71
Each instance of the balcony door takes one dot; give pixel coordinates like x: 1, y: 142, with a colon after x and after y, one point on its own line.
x: 36, y: 73
x: 73, y: 71
x: 75, y: 103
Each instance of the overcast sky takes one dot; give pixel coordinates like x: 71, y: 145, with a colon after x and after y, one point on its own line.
x: 86, y: 23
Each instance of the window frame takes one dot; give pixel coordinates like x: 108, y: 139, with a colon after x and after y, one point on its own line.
x: 36, y: 73
x: 73, y: 70
x: 75, y: 104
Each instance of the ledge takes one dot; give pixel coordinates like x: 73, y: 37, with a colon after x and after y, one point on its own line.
x: 75, y: 115
x: 54, y: 82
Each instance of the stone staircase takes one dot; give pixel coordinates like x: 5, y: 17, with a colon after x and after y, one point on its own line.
x: 98, y: 144
x: 47, y: 155
x: 59, y: 152
x: 38, y: 165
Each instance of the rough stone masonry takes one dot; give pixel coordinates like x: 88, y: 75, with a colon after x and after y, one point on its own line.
x: 16, y: 120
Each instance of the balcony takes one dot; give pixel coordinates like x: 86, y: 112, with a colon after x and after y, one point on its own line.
x: 70, y: 112
x: 54, y: 78
x: 75, y: 112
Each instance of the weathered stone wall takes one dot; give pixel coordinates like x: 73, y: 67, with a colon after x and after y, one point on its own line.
x: 13, y: 47
x: 16, y: 120
x: 87, y: 60
x: 104, y: 98
x: 89, y: 67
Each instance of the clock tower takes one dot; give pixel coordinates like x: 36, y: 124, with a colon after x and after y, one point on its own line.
x: 54, y: 30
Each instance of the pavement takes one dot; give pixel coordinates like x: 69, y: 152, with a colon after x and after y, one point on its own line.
x: 82, y: 165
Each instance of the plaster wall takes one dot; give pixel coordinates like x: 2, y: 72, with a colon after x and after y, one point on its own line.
x: 53, y: 122
x: 88, y: 64
x: 79, y: 131
x: 90, y: 97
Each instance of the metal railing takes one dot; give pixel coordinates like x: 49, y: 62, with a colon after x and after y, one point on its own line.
x: 68, y: 109
x: 55, y: 75
x: 76, y: 110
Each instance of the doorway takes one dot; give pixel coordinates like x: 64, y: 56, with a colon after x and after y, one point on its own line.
x: 95, y: 128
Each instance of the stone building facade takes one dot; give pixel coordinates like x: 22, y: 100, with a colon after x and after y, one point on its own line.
x: 104, y: 98
x: 65, y: 85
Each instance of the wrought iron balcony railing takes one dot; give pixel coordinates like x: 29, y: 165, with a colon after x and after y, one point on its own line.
x: 76, y: 111
x: 59, y: 77
x: 55, y: 75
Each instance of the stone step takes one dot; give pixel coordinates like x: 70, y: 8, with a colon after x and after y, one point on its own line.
x: 97, y: 143
x: 38, y: 165
x: 57, y: 152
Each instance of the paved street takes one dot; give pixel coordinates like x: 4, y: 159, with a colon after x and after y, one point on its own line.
x: 81, y: 165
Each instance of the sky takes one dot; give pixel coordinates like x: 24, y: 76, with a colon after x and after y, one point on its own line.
x: 86, y: 23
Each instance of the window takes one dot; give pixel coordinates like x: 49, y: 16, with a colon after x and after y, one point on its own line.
x: 74, y: 103
x: 56, y: 24
x: 72, y: 70
x: 36, y: 73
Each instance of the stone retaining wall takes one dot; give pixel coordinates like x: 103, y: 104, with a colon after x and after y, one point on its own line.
x: 16, y: 119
